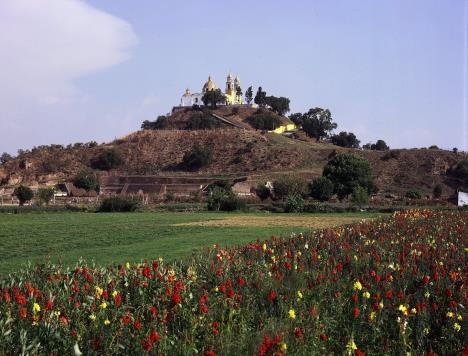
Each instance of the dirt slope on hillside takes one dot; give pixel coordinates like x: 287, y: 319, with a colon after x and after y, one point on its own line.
x: 241, y: 152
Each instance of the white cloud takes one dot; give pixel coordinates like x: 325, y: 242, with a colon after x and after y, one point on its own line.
x: 45, y: 45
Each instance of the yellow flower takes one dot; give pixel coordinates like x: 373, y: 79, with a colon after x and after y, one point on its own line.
x: 449, y: 314
x: 273, y: 258
x: 106, y: 322
x: 457, y: 327
x: 381, y: 305
x: 357, y: 285
x: 99, y: 291
x: 366, y: 295
x: 372, y: 316
x: 264, y: 247
x: 92, y: 317
x: 103, y: 305
x: 292, y: 314
x: 114, y: 293
x: 351, y: 345
x: 459, y: 317
x: 127, y: 265
x: 284, y: 347
x: 426, y: 331
x: 216, y: 289
x: 413, y: 310
x: 36, y: 308
x: 299, y: 253
x: 403, y: 309
x: 299, y: 294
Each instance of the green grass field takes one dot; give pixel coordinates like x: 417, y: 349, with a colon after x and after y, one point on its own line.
x: 121, y: 237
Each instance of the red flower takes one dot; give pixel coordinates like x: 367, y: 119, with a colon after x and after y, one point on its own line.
x: 298, y: 333
x: 154, y: 312
x: 126, y: 319
x: 204, y: 308
x: 146, y: 345
x: 137, y: 325
x: 154, y: 336
x: 426, y: 280
x: 359, y: 353
x: 240, y: 282
x: 355, y: 312
x: 354, y: 298
x: 323, y: 337
x: 272, y: 296
x: 176, y: 299
x: 117, y: 300
x: 23, y: 313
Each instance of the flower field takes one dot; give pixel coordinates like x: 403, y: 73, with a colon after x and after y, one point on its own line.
x: 388, y: 286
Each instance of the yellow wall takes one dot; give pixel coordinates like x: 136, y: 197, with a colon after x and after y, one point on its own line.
x: 281, y: 129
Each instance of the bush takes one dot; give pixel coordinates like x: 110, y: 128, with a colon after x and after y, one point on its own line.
x: 199, y: 156
x: 200, y: 121
x: 86, y: 179
x: 119, y: 204
x: 460, y: 171
x: 437, y: 192
x: 393, y: 154
x: 264, y: 120
x: 434, y: 147
x: 294, y: 203
x: 107, y: 160
x: 413, y: 194
x: 321, y: 189
x: 345, y: 139
x: 346, y: 172
x: 222, y: 199
x: 262, y: 191
x: 23, y: 194
x: 359, y: 197
x: 45, y: 195
x: 288, y: 185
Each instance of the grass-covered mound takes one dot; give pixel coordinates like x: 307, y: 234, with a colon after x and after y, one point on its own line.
x: 388, y: 286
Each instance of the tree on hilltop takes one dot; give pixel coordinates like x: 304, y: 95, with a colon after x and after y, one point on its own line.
x: 213, y: 97
x: 345, y: 139
x: 249, y: 95
x: 280, y: 105
x: 260, y: 97
x: 318, y: 123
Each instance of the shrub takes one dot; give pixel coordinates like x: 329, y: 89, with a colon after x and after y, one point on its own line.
x: 345, y: 139
x: 460, y: 171
x: 107, y: 160
x: 198, y: 157
x: 86, y: 179
x: 201, y: 121
x: 437, y: 192
x: 288, y: 185
x: 222, y: 199
x: 264, y: 120
x: 119, y: 204
x: 321, y: 189
x: 393, y: 154
x: 359, y: 197
x: 346, y: 172
x: 23, y: 194
x: 5, y: 157
x: 294, y: 203
x: 45, y: 195
x: 262, y: 191
x: 413, y: 194
x: 434, y: 147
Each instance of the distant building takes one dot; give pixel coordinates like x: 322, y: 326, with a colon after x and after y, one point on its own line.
x: 462, y: 199
x: 233, y: 93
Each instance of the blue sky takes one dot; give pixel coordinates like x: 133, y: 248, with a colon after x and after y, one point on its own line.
x: 94, y: 70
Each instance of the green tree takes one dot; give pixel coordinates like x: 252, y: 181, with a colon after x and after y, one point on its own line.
x: 198, y: 157
x: 107, y: 159
x: 162, y: 122
x: 264, y: 120
x: 86, y: 179
x: 239, y: 92
x: 45, y: 195
x: 249, y: 95
x: 413, y: 194
x: 223, y: 199
x: 346, y: 172
x: 345, y: 139
x: 289, y: 185
x: 260, y: 97
x: 321, y: 189
x: 460, y: 171
x: 318, y: 123
x: 359, y: 196
x: 213, y: 97
x: 280, y: 105
x: 296, y: 118
x: 201, y: 121
x: 380, y: 145
x: 23, y: 194
x: 294, y: 203
x: 262, y: 191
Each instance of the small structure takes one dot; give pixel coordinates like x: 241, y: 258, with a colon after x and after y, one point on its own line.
x: 462, y: 199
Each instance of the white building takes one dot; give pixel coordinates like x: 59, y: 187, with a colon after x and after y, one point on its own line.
x: 462, y: 199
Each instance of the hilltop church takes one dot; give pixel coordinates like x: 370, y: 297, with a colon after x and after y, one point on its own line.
x: 233, y: 93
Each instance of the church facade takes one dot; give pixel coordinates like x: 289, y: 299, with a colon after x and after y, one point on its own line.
x: 233, y: 93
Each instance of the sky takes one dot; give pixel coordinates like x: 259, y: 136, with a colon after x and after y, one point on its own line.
x: 78, y: 71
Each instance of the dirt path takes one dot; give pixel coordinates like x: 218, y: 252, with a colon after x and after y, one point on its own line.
x: 313, y: 222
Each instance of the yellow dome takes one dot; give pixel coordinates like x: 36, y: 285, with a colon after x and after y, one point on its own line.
x: 209, y: 85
